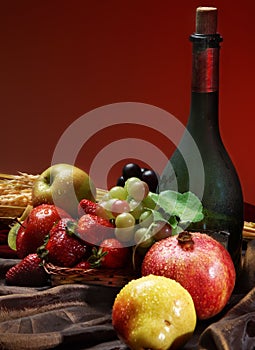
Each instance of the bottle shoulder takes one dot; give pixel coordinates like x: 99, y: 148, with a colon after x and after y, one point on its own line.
x: 209, y: 147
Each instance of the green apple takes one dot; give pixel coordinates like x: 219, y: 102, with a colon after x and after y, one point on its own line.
x: 63, y: 185
x: 154, y: 313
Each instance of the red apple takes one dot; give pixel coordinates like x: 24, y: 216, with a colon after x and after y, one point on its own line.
x: 200, y: 264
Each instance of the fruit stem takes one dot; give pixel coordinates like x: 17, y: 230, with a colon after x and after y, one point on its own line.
x: 96, y: 258
x: 71, y: 228
x: 41, y: 251
x: 185, y: 240
x: 19, y: 222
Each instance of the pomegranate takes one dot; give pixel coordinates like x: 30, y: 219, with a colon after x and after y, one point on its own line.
x: 200, y: 264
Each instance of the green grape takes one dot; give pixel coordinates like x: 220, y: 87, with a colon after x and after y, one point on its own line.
x: 104, y: 208
x: 140, y: 235
x: 143, y: 238
x: 149, y: 203
x: 106, y: 197
x: 118, y: 192
x: 107, y: 203
x: 138, y: 190
x: 146, y: 218
x: 124, y: 220
x: 136, y: 208
x: 130, y: 181
x: 124, y: 235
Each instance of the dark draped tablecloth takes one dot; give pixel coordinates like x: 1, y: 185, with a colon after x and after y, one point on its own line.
x: 78, y: 316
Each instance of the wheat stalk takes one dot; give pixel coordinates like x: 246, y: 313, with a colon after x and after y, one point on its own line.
x: 16, y: 190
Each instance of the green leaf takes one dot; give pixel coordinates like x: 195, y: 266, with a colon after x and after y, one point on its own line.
x: 178, y: 209
x: 186, y: 206
x: 153, y: 196
x: 173, y: 222
x: 168, y: 200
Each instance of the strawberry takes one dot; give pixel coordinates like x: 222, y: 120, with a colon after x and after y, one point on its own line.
x: 62, y: 225
x: 63, y: 248
x: 86, y: 206
x: 117, y: 254
x: 27, y: 273
x: 35, y: 227
x: 94, y: 229
x: 111, y: 254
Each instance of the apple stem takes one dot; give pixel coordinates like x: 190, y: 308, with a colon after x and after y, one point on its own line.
x: 19, y: 222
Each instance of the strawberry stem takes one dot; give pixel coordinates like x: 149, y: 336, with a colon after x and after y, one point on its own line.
x: 41, y: 251
x: 71, y: 227
x: 96, y: 257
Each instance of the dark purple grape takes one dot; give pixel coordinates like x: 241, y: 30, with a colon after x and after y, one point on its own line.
x: 143, y: 170
x: 131, y: 170
x: 151, y: 178
x: 120, y: 181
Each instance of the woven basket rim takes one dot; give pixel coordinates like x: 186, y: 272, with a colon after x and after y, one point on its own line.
x: 69, y: 271
x: 99, y: 276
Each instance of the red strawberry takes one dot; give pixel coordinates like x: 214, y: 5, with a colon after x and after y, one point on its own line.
x: 62, y: 225
x: 117, y: 255
x: 35, y: 227
x: 94, y: 229
x: 87, y: 207
x: 111, y: 254
x: 63, y: 247
x: 28, y: 273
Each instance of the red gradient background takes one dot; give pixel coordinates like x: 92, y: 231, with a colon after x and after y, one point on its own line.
x: 60, y: 59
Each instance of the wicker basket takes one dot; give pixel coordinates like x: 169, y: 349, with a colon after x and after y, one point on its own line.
x: 103, y: 277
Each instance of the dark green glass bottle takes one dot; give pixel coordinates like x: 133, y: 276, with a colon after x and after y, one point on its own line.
x: 200, y: 163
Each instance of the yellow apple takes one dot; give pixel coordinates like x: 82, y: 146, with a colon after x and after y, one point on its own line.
x: 154, y: 312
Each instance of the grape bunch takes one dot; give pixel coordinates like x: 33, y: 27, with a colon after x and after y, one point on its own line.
x: 134, y: 170
x: 130, y: 208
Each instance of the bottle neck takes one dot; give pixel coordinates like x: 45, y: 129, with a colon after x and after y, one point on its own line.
x: 205, y: 70
x: 205, y: 84
x: 205, y: 62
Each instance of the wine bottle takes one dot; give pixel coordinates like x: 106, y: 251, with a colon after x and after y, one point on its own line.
x: 200, y: 163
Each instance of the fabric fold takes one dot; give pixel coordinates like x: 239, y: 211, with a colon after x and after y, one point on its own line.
x: 70, y: 314
x: 235, y: 331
